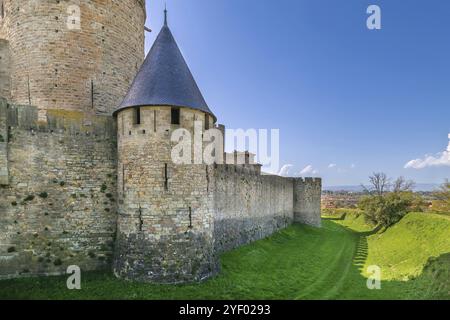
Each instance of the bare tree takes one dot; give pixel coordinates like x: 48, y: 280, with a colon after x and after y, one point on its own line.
x: 402, y: 185
x: 444, y: 192
x: 379, y: 184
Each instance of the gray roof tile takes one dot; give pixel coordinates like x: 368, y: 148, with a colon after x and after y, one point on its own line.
x: 164, y: 79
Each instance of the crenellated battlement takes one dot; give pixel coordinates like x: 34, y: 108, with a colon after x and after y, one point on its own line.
x: 63, y: 122
x: 80, y: 186
x: 239, y: 169
x: 309, y: 180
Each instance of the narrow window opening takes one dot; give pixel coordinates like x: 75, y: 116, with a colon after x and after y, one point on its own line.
x: 190, y: 218
x: 206, y: 122
x: 207, y: 179
x: 137, y: 116
x: 29, y: 91
x: 123, y: 178
x: 154, y: 120
x: 92, y: 94
x: 2, y: 10
x: 123, y: 126
x: 175, y: 116
x: 166, y: 178
x: 141, y: 222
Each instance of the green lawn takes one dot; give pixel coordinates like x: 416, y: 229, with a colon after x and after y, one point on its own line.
x: 297, y: 263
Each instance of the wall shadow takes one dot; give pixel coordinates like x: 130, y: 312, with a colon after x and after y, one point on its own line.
x: 433, y: 283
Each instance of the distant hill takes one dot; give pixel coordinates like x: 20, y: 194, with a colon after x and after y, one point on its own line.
x: 426, y: 187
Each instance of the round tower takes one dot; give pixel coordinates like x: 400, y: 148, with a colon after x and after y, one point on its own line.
x: 72, y: 54
x: 166, y: 222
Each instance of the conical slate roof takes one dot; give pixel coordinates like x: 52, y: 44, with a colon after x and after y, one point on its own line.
x: 164, y: 79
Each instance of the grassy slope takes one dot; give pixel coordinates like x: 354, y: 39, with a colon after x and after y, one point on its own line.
x: 298, y: 263
x: 417, y: 248
x: 404, y: 249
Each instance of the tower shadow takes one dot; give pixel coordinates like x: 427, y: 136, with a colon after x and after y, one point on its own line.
x: 341, y: 218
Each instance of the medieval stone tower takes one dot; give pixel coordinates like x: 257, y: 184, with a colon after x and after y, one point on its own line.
x: 65, y: 66
x: 166, y: 220
x: 86, y: 170
x: 72, y: 54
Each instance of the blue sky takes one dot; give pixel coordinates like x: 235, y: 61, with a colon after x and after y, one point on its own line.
x: 363, y: 100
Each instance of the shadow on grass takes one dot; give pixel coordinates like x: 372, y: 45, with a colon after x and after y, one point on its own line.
x: 332, y: 218
x: 432, y: 284
x: 362, y: 249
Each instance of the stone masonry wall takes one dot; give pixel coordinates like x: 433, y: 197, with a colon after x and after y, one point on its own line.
x: 4, y: 171
x: 5, y: 69
x: 56, y: 65
x: 165, y: 223
x: 59, y: 207
x: 307, y: 194
x: 249, y: 206
x: 62, y: 195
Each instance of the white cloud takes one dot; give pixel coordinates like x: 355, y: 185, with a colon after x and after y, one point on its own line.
x: 438, y: 160
x: 308, y: 170
x: 284, y: 171
x: 332, y: 165
x: 353, y: 166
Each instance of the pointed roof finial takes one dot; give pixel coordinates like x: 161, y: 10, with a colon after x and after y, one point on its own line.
x: 165, y: 14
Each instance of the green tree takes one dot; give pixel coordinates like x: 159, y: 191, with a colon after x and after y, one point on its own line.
x: 386, y: 203
x: 443, y: 198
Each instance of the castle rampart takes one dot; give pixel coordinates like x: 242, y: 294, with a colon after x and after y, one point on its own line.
x: 61, y: 199
x: 249, y: 206
x: 58, y: 206
x: 81, y: 187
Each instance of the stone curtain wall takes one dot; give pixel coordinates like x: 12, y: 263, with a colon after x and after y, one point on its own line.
x: 4, y: 171
x: 90, y: 68
x: 307, y: 194
x: 59, y: 207
x: 249, y: 206
x: 5, y: 69
x: 62, y: 194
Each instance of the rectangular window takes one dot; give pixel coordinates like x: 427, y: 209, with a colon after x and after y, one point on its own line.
x: 206, y: 122
x: 123, y: 178
x: 2, y: 10
x: 190, y: 218
x: 141, y: 221
x: 92, y: 94
x: 137, y: 116
x: 175, y: 116
x: 123, y: 125
x: 166, y: 178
